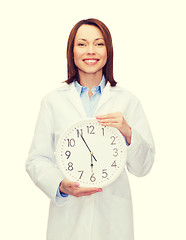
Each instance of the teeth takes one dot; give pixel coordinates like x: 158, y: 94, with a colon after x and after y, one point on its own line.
x: 90, y: 61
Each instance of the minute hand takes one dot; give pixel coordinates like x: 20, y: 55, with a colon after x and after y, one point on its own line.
x: 88, y: 148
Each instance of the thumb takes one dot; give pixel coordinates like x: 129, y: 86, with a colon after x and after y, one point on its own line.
x: 68, y: 183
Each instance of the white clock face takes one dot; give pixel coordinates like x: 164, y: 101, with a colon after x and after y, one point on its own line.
x: 91, y: 154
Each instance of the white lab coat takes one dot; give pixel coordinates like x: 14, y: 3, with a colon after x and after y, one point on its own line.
x: 102, y: 216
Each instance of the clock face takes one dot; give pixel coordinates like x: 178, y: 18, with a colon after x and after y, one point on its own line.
x: 91, y: 154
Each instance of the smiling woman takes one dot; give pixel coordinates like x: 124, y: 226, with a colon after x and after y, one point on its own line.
x: 96, y: 41
x: 90, y: 54
x: 77, y: 212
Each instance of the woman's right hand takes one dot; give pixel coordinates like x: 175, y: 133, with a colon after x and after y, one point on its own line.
x: 72, y: 188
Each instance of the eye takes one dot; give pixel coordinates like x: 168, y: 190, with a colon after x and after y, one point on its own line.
x: 100, y: 44
x: 81, y: 44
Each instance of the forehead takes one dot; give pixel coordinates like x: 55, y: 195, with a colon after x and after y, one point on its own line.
x: 88, y: 32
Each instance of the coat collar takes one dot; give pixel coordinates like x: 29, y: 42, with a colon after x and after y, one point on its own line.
x: 75, y: 99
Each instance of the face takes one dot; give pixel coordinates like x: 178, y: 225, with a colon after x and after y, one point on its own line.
x: 90, y: 53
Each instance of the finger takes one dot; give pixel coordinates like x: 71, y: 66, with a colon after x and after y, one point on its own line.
x: 106, y: 116
x: 110, y: 115
x: 108, y: 120
x: 109, y: 124
x: 87, y: 189
x: 89, y: 192
x: 67, y: 183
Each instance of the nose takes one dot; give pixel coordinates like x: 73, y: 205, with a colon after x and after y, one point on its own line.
x: 91, y: 49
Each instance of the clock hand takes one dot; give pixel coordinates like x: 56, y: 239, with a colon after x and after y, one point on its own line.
x: 88, y: 147
x: 92, y: 163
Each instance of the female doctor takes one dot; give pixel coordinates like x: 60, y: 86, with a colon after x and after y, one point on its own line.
x: 89, y: 213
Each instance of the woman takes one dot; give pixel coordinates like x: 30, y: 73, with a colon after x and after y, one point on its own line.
x: 90, y: 91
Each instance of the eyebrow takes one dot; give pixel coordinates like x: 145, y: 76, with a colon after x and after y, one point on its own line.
x: 83, y: 39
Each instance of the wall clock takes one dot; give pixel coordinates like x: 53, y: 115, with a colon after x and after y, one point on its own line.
x: 91, y: 154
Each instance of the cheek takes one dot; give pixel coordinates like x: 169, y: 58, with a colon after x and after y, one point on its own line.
x: 77, y: 57
x: 104, y: 52
x: 104, y: 55
x: 76, y: 54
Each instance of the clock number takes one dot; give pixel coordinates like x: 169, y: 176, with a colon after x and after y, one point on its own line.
x: 71, y: 142
x: 105, y: 174
x: 115, y: 152
x: 81, y: 174
x: 113, y: 140
x: 114, y: 164
x: 79, y: 132
x: 70, y: 166
x: 68, y: 153
x: 90, y: 129
x: 92, y: 178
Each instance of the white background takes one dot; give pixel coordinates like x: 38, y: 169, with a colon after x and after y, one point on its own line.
x: 150, y: 60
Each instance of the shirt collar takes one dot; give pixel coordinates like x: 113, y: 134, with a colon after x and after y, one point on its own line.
x: 81, y: 89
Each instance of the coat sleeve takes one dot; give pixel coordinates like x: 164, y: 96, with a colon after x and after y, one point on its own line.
x: 141, y: 150
x: 41, y: 163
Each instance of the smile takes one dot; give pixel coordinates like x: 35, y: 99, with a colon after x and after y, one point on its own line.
x: 90, y: 61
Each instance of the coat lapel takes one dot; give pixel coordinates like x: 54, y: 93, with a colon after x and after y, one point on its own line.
x: 106, y: 94
x: 75, y: 99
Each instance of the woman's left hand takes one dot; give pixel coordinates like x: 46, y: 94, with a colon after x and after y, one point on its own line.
x: 118, y: 121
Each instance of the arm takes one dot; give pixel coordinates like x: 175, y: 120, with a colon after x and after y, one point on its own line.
x: 141, y: 152
x: 138, y: 135
x: 41, y: 162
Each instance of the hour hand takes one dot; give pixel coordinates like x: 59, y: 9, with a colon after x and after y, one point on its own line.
x: 88, y: 148
x: 92, y: 163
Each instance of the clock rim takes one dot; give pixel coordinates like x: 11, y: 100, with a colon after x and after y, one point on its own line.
x: 58, y: 148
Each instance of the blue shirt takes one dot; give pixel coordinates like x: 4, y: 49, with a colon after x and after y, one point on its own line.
x: 90, y: 104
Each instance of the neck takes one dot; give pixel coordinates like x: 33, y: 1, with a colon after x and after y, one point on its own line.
x: 90, y: 80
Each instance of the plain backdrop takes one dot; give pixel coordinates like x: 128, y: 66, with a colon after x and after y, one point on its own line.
x: 149, y: 60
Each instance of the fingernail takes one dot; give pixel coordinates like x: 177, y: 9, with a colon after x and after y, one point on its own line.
x: 99, y: 190
x: 77, y: 184
x: 100, y: 120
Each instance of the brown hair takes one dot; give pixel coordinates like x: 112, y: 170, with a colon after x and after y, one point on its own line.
x: 107, y: 69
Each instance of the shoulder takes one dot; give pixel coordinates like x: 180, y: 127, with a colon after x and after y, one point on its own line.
x: 58, y: 92
x: 123, y: 93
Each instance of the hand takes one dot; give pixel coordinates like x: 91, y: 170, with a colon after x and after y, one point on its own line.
x: 72, y: 188
x: 116, y: 120
x: 92, y: 165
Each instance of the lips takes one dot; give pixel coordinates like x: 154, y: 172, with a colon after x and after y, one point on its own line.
x: 90, y: 61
